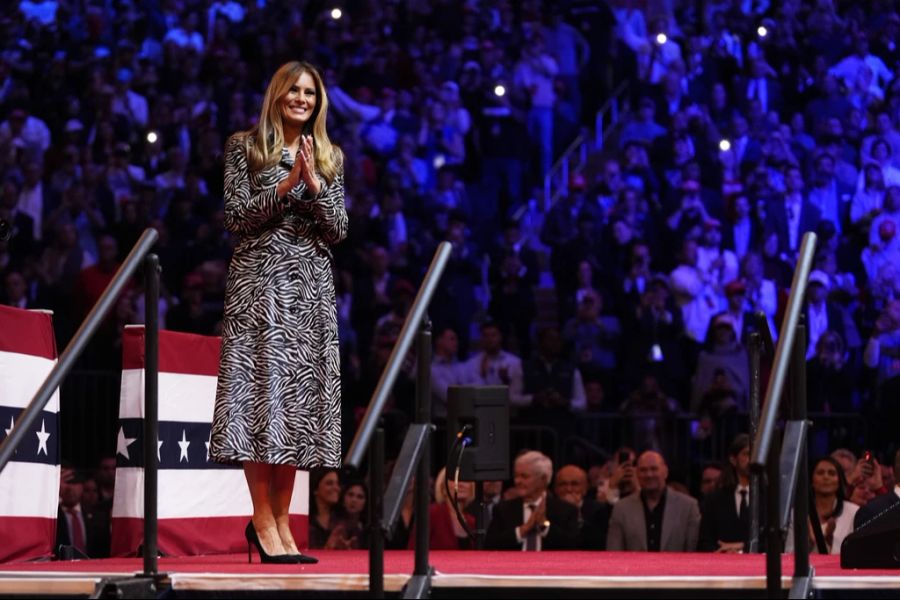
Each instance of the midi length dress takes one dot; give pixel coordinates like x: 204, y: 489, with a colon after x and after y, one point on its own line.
x: 278, y: 399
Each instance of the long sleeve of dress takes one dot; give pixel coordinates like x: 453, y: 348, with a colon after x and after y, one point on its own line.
x: 329, y: 209
x: 246, y: 209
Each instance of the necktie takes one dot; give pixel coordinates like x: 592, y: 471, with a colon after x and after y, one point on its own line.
x: 75, y: 529
x: 531, y: 538
x: 742, y: 514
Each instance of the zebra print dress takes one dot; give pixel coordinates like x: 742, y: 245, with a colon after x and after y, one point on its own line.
x: 278, y: 396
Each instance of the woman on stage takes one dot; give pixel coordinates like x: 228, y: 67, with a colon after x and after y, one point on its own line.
x: 278, y: 398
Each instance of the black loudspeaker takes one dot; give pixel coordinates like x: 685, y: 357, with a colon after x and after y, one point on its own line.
x: 875, y: 545
x: 486, y: 410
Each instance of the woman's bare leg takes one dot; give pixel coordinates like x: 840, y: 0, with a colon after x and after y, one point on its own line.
x: 259, y: 480
x: 281, y: 491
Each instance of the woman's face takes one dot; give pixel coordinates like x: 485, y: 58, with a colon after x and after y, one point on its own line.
x: 354, y: 500
x: 825, y: 479
x: 880, y: 151
x: 329, y: 489
x: 298, y: 104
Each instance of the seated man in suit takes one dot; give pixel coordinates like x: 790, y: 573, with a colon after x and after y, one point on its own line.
x: 880, y: 504
x: 657, y: 519
x: 725, y: 526
x: 536, y: 520
x: 79, y: 532
x: 571, y: 485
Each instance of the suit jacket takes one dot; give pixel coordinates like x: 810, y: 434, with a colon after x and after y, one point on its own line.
x: 835, y: 320
x: 594, y: 524
x: 728, y: 235
x: 776, y: 218
x: 875, y: 507
x: 96, y: 532
x: 720, y: 521
x: 563, y: 533
x: 680, y: 528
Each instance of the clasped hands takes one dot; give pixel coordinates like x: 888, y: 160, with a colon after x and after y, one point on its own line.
x: 304, y: 170
x: 535, y: 521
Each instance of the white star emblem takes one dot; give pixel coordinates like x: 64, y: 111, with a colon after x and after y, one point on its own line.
x: 123, y: 442
x: 43, y: 436
x: 8, y: 431
x: 158, y: 446
x: 183, y: 444
x: 208, y: 440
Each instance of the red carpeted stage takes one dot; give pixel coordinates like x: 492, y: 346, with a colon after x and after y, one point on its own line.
x: 508, y: 574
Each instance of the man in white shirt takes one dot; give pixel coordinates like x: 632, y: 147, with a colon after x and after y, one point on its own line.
x: 25, y: 132
x: 820, y: 317
x: 534, y: 77
x: 725, y: 524
x: 495, y: 366
x: 445, y: 370
x: 31, y: 196
x: 128, y: 103
x: 848, y: 69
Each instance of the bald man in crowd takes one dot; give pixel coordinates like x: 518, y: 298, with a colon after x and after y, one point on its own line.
x: 536, y: 519
x: 658, y: 519
x: 571, y: 485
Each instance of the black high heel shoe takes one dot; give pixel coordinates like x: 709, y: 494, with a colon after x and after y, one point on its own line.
x: 264, y: 557
x: 304, y: 559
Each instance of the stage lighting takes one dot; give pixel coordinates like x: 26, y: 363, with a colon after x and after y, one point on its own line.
x: 724, y: 145
x: 661, y: 38
x: 499, y: 90
x: 439, y: 161
x: 336, y: 13
x: 152, y: 137
x: 762, y: 31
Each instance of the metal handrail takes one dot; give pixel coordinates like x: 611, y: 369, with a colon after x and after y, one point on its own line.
x: 401, y: 348
x: 580, y: 144
x: 763, y: 441
x: 76, y: 346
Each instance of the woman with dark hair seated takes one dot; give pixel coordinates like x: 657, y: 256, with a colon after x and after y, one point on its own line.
x: 830, y: 513
x: 324, y: 506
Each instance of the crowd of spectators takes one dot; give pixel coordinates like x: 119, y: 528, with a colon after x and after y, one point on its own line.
x: 750, y: 123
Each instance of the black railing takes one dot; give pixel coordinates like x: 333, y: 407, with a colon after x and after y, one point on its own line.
x: 73, y: 351
x: 785, y: 468
x: 415, y: 453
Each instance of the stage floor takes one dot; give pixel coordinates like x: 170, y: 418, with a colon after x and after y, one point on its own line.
x: 347, y: 571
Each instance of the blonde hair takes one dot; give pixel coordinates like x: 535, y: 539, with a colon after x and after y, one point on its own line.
x: 263, y: 143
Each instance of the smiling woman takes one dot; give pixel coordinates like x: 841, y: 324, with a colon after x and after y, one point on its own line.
x: 278, y: 401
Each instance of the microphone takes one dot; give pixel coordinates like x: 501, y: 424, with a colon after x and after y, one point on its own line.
x: 5, y: 230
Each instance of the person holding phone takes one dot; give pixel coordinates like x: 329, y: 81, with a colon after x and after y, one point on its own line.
x: 278, y: 404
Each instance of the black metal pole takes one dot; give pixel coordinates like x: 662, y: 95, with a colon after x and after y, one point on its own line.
x: 755, y: 345
x: 479, y: 515
x: 801, y: 495
x: 151, y: 412
x: 773, y: 526
x: 423, y: 473
x: 22, y: 426
x: 376, y: 514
